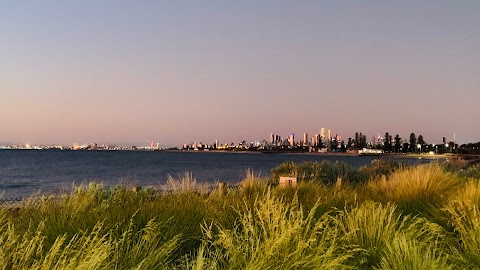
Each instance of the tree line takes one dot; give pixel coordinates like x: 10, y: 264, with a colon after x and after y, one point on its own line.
x: 395, y: 144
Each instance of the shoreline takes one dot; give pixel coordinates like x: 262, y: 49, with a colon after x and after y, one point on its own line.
x: 394, y: 155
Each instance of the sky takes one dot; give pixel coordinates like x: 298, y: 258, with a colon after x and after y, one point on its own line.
x: 125, y: 72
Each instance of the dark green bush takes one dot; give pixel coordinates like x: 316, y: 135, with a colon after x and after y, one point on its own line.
x: 380, y: 167
x: 325, y: 172
x: 471, y: 172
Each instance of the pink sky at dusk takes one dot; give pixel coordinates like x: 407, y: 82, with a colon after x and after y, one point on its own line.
x: 127, y: 72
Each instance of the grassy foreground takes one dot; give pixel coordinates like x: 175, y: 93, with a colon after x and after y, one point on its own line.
x: 384, y: 216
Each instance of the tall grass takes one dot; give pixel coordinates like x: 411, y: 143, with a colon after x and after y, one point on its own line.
x: 464, y: 217
x: 420, y: 217
x: 273, y: 234
x: 187, y: 183
x: 419, y: 190
x: 408, y: 253
x: 95, y: 249
x: 372, y: 229
x: 28, y: 251
x: 125, y: 215
x: 144, y: 249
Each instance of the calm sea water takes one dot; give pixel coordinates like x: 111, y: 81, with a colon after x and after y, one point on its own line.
x: 27, y: 172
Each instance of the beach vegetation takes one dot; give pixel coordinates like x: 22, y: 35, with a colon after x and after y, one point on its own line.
x: 384, y: 216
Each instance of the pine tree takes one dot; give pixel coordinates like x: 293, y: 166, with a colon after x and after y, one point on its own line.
x: 413, y: 142
x: 387, y: 144
x: 398, y: 143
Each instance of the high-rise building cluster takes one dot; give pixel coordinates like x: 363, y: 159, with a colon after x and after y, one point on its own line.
x: 322, y: 142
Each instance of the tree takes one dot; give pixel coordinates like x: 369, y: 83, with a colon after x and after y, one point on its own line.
x: 405, y: 147
x: 421, y: 142
x: 413, y: 142
x: 387, y: 144
x: 361, y: 141
x: 398, y: 143
x: 343, y: 149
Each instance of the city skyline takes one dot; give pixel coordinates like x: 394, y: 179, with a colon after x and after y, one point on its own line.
x: 303, y: 138
x: 124, y: 73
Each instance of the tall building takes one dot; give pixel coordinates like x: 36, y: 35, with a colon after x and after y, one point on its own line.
x: 318, y: 139
x: 272, y: 138
x: 305, y: 139
x: 322, y: 133
x: 291, y: 140
x: 328, y: 140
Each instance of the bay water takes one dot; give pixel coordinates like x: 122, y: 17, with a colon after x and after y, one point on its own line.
x: 30, y: 172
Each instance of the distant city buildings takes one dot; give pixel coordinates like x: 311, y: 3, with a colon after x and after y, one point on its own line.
x: 322, y: 142
x: 291, y: 140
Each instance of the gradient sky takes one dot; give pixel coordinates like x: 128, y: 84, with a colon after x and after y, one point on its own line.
x: 178, y: 71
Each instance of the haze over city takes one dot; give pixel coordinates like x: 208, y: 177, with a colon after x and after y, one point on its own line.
x: 126, y: 72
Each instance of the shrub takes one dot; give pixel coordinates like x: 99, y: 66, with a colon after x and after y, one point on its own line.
x: 380, y: 167
x: 322, y: 172
x: 470, y: 172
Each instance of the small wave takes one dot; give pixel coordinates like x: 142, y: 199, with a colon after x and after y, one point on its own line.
x: 15, y: 185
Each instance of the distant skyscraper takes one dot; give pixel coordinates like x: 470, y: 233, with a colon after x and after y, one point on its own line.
x: 272, y: 138
x: 291, y: 140
x: 216, y: 144
x: 322, y: 133
x: 305, y: 138
x: 318, y: 139
x: 329, y: 134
